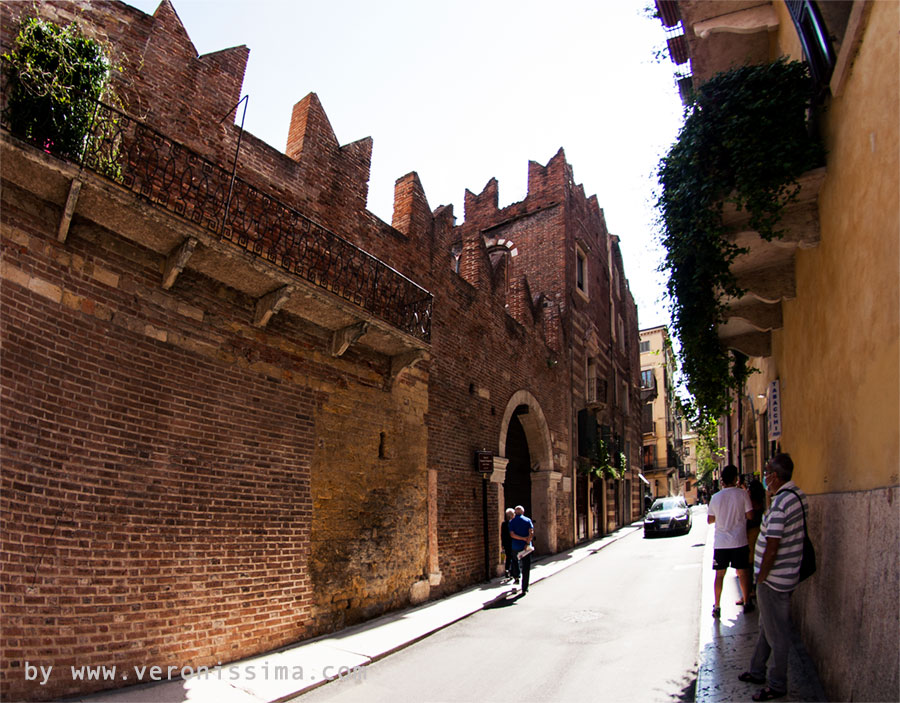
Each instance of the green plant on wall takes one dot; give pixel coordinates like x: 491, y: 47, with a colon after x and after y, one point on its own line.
x: 56, y: 76
x: 708, y: 454
x: 601, y: 463
x: 745, y: 140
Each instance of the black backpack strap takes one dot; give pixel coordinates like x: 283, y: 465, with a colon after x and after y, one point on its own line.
x: 802, y: 507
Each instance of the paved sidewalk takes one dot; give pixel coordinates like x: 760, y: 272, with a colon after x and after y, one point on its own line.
x: 287, y: 672
x: 727, y: 644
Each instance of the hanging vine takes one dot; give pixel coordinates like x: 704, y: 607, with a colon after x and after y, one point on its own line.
x: 56, y: 76
x: 745, y: 140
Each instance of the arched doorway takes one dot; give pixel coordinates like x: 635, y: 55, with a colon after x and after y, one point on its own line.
x: 517, y: 487
x: 533, y: 480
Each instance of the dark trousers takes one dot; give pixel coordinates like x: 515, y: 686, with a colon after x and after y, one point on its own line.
x: 513, y: 565
x: 510, y: 562
x: 525, y: 567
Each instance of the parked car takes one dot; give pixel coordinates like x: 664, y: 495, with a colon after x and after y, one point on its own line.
x: 668, y: 515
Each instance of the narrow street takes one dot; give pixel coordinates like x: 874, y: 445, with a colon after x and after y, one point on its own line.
x: 618, y: 626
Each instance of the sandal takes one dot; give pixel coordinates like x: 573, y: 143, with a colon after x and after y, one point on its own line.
x: 768, y: 694
x: 717, y: 612
x: 747, y: 677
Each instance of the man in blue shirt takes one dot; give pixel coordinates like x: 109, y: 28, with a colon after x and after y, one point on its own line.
x: 521, y: 529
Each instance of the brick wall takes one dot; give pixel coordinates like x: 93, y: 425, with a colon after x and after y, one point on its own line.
x: 164, y: 461
x: 180, y: 487
x: 156, y: 501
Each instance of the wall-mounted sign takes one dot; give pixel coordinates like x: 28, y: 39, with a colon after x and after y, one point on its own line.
x: 774, y: 409
x: 484, y: 462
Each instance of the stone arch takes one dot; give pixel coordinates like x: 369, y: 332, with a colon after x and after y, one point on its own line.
x: 544, y: 477
x: 536, y: 429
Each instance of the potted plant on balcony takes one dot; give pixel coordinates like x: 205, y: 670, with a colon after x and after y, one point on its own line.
x: 745, y: 140
x: 55, y: 78
x: 601, y: 463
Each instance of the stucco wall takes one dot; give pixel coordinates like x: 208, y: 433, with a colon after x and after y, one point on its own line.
x: 838, y: 354
x: 838, y: 359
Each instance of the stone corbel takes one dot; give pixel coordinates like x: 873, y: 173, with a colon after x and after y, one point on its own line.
x: 770, y: 285
x: 176, y: 261
x: 401, y: 362
x: 271, y: 303
x: 68, y: 211
x: 749, y: 21
x: 342, y: 339
x: 549, y: 477
x: 751, y: 344
x: 762, y: 316
x: 499, y: 473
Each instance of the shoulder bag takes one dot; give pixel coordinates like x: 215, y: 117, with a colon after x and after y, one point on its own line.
x: 808, y: 560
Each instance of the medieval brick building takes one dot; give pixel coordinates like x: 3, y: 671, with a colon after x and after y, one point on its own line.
x: 239, y: 410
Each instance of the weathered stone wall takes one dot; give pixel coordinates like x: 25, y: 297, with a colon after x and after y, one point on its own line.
x: 368, y: 536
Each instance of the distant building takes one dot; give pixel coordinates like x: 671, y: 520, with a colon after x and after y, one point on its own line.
x: 661, y: 419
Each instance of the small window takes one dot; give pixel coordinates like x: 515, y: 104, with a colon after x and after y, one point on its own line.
x: 581, y: 270
x: 647, y: 378
x: 814, y: 37
x: 645, y: 346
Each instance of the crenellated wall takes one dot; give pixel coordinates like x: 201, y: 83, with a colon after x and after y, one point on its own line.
x: 184, y: 485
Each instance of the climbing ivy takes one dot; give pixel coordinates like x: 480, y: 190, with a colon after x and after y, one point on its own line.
x: 56, y: 76
x: 745, y: 140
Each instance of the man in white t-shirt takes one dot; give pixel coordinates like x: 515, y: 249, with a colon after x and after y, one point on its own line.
x: 729, y: 510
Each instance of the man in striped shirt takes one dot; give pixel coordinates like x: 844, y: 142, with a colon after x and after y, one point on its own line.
x: 776, y: 564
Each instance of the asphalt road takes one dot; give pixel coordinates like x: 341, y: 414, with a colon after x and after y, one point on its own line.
x: 619, y: 626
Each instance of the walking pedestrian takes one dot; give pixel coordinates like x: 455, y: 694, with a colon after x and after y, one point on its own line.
x: 511, y: 565
x: 521, y: 530
x: 776, y: 563
x: 758, y: 501
x: 729, y: 510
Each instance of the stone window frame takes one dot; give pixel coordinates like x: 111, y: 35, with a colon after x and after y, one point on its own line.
x: 581, y: 272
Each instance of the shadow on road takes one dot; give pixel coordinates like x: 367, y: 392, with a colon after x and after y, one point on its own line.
x: 688, y: 692
x: 506, y: 600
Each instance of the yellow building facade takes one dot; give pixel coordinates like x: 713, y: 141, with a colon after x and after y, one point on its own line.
x: 827, y: 389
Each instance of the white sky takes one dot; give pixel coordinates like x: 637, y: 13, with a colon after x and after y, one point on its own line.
x: 461, y: 91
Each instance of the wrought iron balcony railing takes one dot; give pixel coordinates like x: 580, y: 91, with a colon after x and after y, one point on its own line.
x: 172, y: 177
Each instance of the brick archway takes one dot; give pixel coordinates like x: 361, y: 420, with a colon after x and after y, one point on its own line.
x: 544, y: 477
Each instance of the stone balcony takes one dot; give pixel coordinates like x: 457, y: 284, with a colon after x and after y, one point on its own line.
x: 766, y: 271
x: 150, y: 190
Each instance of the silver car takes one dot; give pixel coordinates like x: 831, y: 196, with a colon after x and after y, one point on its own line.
x: 668, y: 515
